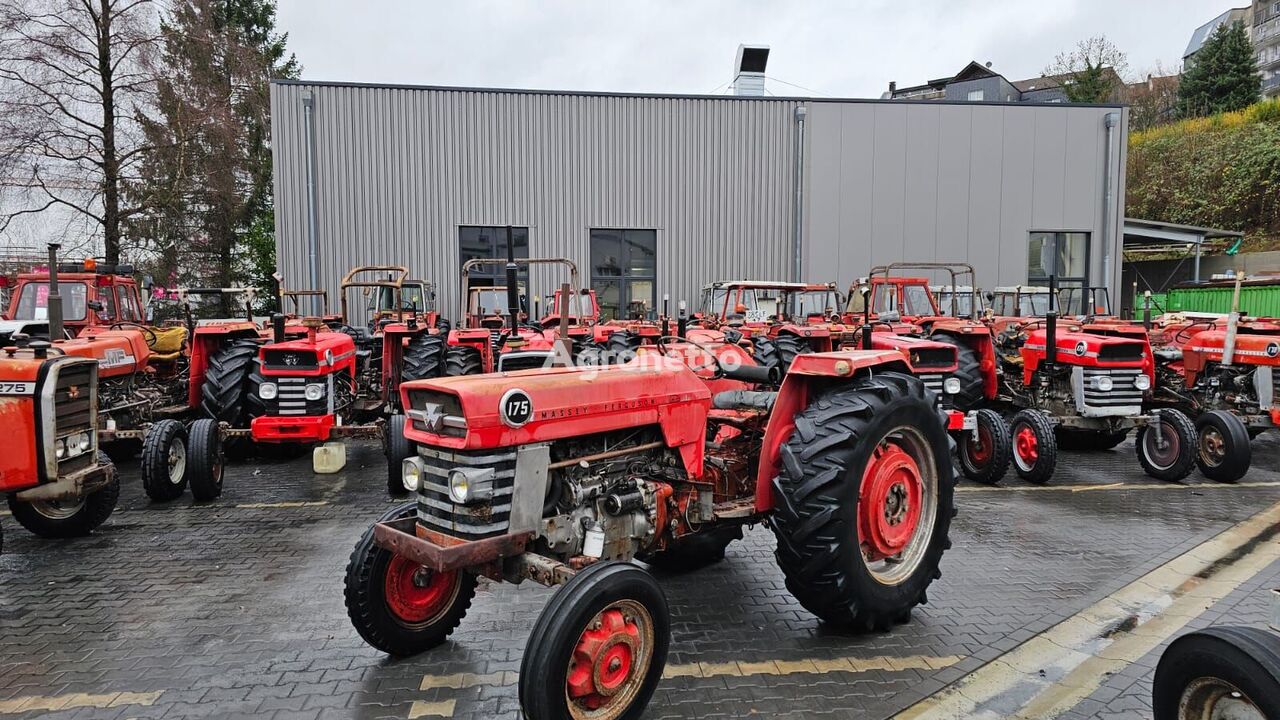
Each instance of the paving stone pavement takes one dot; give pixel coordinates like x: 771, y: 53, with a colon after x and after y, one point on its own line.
x: 235, y: 608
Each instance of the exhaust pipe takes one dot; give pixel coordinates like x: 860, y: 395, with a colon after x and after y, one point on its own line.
x: 1146, y: 309
x: 277, y: 327
x: 1233, y: 322
x: 54, y: 303
x: 1051, y: 327
x: 666, y: 314
x: 513, y: 288
x: 682, y: 324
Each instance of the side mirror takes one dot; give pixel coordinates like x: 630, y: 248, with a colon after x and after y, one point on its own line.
x: 95, y: 306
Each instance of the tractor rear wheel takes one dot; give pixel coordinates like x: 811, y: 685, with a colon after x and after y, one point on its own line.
x: 206, y: 462
x: 228, y: 394
x: 622, y: 346
x: 398, y: 606
x: 1219, y: 672
x: 423, y: 357
x: 1170, y: 456
x: 1035, y: 449
x: 598, y: 648
x: 764, y: 352
x: 985, y: 458
x: 864, y: 501
x: 788, y: 347
x: 397, y: 448
x: 968, y: 372
x: 72, y: 517
x: 164, y: 461
x: 1088, y: 440
x: 1223, y: 441
x: 462, y: 360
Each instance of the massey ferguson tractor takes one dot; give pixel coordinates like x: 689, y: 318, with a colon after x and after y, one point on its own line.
x: 1093, y: 387
x: 780, y: 319
x: 565, y: 476
x: 1223, y: 372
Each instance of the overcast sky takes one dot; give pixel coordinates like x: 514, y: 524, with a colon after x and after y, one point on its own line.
x: 839, y: 49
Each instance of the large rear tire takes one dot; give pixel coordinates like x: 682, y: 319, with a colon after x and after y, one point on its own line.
x: 225, y: 395
x: 986, y: 458
x: 1219, y: 672
x: 864, y: 501
x: 788, y: 347
x: 1035, y: 448
x: 462, y: 360
x: 70, y: 518
x: 1170, y: 456
x: 424, y: 357
x: 206, y: 464
x: 968, y: 371
x: 397, y: 448
x: 598, y: 648
x: 398, y: 606
x: 164, y: 461
x: 1223, y: 450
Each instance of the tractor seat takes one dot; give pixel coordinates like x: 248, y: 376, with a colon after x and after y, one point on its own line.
x: 1167, y: 354
x: 166, y: 343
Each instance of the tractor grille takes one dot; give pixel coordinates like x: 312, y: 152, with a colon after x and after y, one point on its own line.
x: 482, y: 519
x: 1127, y: 352
x: 933, y: 381
x: 1123, y: 395
x: 291, y: 398
x: 524, y: 361
x: 936, y: 357
x: 73, y: 410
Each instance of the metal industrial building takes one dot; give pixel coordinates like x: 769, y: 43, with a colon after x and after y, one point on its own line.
x: 657, y: 194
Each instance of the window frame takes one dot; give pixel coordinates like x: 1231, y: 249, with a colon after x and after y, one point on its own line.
x: 626, y: 277
x: 1062, y: 280
x: 496, y: 278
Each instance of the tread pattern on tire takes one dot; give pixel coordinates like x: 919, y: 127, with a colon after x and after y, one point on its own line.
x: 97, y: 508
x: 788, y: 347
x: 204, y: 460
x: 816, y: 495
x: 1249, y: 655
x: 424, y: 357
x: 968, y: 371
x: 1046, y: 445
x: 1239, y: 452
x: 462, y: 360
x: 227, y: 393
x: 1001, y: 451
x: 397, y: 447
x: 155, y: 460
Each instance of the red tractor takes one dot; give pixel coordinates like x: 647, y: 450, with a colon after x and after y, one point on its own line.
x: 780, y: 319
x: 564, y: 476
x: 1089, y: 389
x: 94, y: 294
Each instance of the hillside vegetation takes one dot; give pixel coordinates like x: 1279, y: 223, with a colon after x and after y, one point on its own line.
x: 1219, y: 171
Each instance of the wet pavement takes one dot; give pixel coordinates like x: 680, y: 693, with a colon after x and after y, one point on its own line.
x: 235, y: 608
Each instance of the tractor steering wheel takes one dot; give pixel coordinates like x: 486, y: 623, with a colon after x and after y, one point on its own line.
x: 717, y: 371
x: 1184, y: 334
x: 150, y: 334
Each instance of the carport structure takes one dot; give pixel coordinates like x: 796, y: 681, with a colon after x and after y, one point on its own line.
x: 1155, y: 237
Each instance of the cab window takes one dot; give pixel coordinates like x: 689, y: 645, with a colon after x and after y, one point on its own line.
x: 107, y: 296
x: 33, y: 301
x: 128, y: 301
x: 916, y: 300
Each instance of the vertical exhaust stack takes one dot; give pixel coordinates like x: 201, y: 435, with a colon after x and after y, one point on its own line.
x: 1233, y: 323
x: 1051, y: 327
x: 513, y: 287
x: 748, y: 70
x: 54, y: 304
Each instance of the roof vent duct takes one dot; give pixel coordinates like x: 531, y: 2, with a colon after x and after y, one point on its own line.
x: 748, y: 70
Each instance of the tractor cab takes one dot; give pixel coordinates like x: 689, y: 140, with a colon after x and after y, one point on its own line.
x: 93, y: 294
x: 756, y: 303
x: 959, y: 301
x: 1022, y: 301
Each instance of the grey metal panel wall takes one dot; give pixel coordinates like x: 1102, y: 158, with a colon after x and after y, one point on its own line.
x: 399, y: 169
x: 953, y: 182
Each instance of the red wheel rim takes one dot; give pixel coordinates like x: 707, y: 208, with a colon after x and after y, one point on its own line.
x: 890, y: 502
x: 979, y: 450
x: 610, y: 661
x: 1027, y: 445
x: 415, y: 594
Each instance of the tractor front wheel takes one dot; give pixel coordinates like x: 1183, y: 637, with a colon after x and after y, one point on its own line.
x: 206, y: 463
x: 598, y: 648
x: 864, y: 501
x: 71, y: 517
x: 1035, y: 449
x: 1170, y: 454
x: 1219, y: 672
x: 1223, y: 441
x: 164, y: 461
x: 397, y: 605
x: 984, y: 452
x: 397, y: 448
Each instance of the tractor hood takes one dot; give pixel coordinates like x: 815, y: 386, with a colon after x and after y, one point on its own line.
x: 924, y: 355
x: 118, y: 352
x: 1249, y: 350
x: 503, y: 410
x: 306, y: 356
x: 1075, y: 348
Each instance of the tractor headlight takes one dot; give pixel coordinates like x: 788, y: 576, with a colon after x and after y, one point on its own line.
x: 60, y: 448
x: 268, y: 391
x: 1142, y: 382
x: 951, y: 386
x: 1103, y: 383
x: 83, y: 441
x: 411, y: 474
x: 459, y: 487
x: 313, y: 392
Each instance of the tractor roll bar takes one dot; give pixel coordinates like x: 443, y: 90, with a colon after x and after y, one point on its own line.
x: 248, y: 293
x: 350, y: 280
x: 474, y: 263
x: 955, y: 269
x: 295, y: 295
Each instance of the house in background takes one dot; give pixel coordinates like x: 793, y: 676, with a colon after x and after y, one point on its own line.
x: 977, y: 82
x: 1265, y: 35
x: 1242, y: 15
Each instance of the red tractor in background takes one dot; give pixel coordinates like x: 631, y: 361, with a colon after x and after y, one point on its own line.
x: 565, y: 475
x: 94, y: 295
x: 780, y: 319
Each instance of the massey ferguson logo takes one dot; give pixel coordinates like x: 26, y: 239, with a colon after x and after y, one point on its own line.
x: 1082, y: 348
x: 290, y: 359
x: 431, y: 417
x: 1273, y: 350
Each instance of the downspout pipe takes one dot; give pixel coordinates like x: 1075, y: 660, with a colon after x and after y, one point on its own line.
x: 797, y: 232
x: 1110, y: 121
x: 309, y: 123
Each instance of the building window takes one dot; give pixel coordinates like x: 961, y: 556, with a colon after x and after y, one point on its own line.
x: 624, y: 267
x: 1064, y: 254
x: 491, y: 242
x: 977, y: 95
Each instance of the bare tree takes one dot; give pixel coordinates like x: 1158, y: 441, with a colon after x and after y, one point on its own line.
x: 1091, y: 71
x: 73, y: 83
x: 1153, y: 101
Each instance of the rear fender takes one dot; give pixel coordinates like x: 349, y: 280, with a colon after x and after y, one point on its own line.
x: 809, y: 376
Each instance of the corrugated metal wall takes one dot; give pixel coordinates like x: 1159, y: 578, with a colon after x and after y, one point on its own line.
x: 398, y: 170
